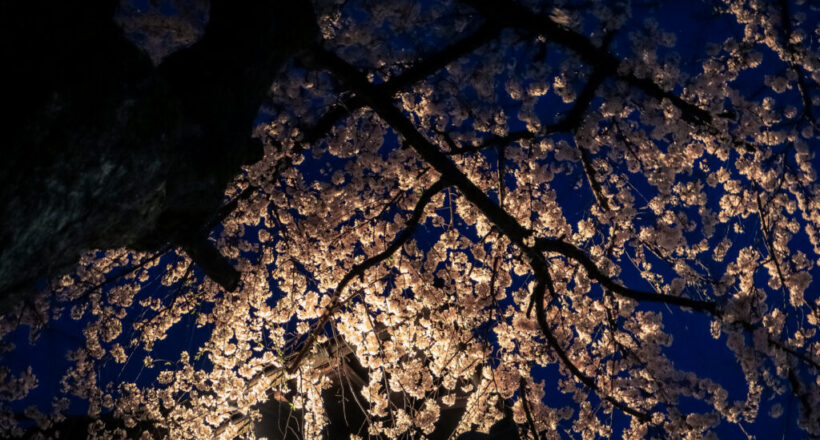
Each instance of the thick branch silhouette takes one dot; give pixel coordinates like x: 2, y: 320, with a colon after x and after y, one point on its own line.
x: 498, y: 216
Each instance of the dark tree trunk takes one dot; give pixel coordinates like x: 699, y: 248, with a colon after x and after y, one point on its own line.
x: 103, y: 150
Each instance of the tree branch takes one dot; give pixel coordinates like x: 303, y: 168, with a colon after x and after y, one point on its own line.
x: 804, y: 398
x: 512, y: 15
x: 204, y: 254
x: 543, y: 282
x: 802, y: 87
x: 767, y: 239
x: 418, y: 71
x: 430, y: 65
x: 358, y: 270
x: 570, y: 251
x: 295, y: 360
x: 570, y: 122
x: 507, y: 224
x: 522, y: 388
x: 492, y: 142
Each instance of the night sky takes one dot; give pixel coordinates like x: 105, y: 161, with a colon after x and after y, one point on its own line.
x: 695, y: 23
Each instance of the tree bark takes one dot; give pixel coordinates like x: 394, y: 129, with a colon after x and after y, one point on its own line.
x: 107, y: 151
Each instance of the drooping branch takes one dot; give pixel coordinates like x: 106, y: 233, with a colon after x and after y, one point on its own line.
x: 569, y: 122
x: 359, y: 270
x: 502, y: 150
x: 543, y: 282
x: 507, y: 224
x: 767, y: 239
x: 522, y: 389
x: 572, y: 252
x: 591, y: 175
x: 802, y: 86
x: 120, y: 276
x: 294, y: 361
x: 574, y: 118
x: 513, y: 15
x: 803, y: 357
x: 798, y: 391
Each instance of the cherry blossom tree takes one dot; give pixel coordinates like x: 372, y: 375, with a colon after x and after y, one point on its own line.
x: 523, y: 208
